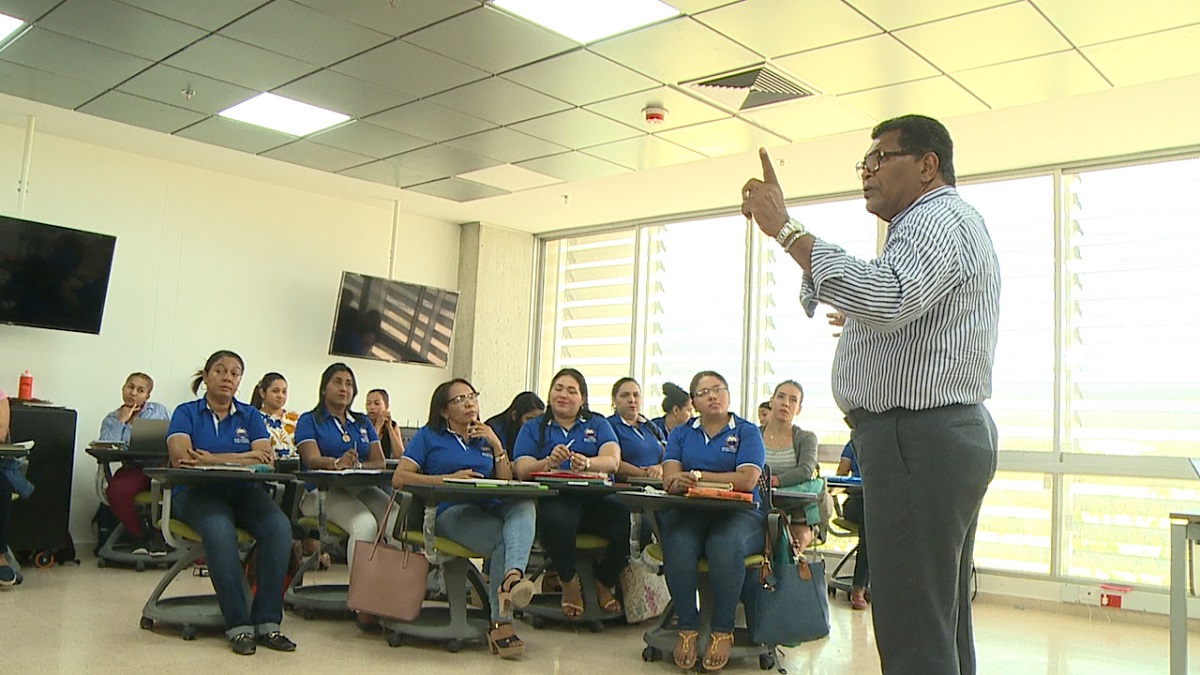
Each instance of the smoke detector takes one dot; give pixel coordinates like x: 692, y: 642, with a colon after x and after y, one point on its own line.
x: 654, y: 114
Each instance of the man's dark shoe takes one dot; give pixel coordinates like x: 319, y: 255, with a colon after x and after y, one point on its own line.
x: 277, y: 641
x: 243, y: 644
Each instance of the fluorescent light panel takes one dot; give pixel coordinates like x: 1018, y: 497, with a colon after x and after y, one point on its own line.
x: 8, y: 26
x: 283, y: 114
x: 589, y: 21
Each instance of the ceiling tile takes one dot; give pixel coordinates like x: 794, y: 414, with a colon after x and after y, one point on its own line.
x: 893, y: 15
x: 227, y: 59
x: 1038, y: 79
x: 646, y: 152
x: 410, y: 69
x: 499, y: 101
x: 38, y: 85
x: 457, y: 189
x: 28, y: 10
x: 506, y: 145
x: 580, y: 77
x: 577, y: 128
x: 776, y: 27
x: 395, y: 19
x: 444, y: 160
x: 426, y: 120
x: 995, y: 35
x: 368, y: 139
x: 573, y: 166
x: 811, y: 118
x: 167, y: 85
x: 937, y: 97
x: 862, y: 64
x: 141, y: 112
x: 334, y: 91
x: 75, y: 59
x: 121, y: 27
x: 391, y: 172
x: 510, y: 178
x: 289, y: 28
x: 723, y: 137
x: 1103, y: 20
x: 1148, y: 58
x: 209, y: 14
x: 677, y: 50
x: 233, y: 134
x: 693, y: 6
x: 317, y: 156
x: 682, y: 110
x: 491, y: 40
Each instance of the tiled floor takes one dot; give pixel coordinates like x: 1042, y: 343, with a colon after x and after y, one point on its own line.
x: 84, y: 619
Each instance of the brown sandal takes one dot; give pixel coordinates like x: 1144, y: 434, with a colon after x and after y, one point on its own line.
x: 515, y: 592
x: 606, y: 600
x: 717, y: 654
x: 572, y: 599
x: 685, y: 649
x: 503, y: 640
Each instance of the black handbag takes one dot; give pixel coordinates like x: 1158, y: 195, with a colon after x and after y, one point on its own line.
x: 787, y: 603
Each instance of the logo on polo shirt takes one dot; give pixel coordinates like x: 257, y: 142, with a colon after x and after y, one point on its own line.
x: 589, y: 436
x: 731, y: 443
x: 240, y: 436
x: 362, y: 432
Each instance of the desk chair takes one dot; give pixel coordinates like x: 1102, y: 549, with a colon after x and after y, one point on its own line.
x: 12, y: 557
x: 318, y: 597
x: 189, y: 612
x: 840, y: 527
x: 114, y: 549
x: 548, y: 606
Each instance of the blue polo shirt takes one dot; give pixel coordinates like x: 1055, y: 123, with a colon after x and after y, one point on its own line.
x: 234, y: 433
x: 642, y: 445
x: 334, y: 438
x: 585, y: 438
x: 437, y: 453
x: 849, y: 453
x: 739, y: 443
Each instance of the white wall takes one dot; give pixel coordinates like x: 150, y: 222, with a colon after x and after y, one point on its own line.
x: 206, y: 261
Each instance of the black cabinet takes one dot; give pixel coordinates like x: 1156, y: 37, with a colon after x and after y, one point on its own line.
x: 42, y: 522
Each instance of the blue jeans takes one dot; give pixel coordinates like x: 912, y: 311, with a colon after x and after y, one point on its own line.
x: 724, y: 539
x: 502, y: 532
x: 215, y: 513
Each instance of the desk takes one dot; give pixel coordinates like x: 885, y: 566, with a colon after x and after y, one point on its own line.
x: 13, y: 451
x: 170, y: 477
x: 111, y: 548
x: 447, y: 492
x: 1185, y: 531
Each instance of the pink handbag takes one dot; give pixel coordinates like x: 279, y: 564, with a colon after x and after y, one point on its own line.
x: 385, y: 580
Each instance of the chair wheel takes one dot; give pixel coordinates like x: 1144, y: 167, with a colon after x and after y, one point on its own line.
x: 766, y: 661
x: 146, y: 623
x: 536, y: 621
x: 454, y: 646
x: 101, y: 563
x: 651, y: 654
x: 188, y: 633
x: 395, y: 640
x: 596, y: 626
x: 43, y: 559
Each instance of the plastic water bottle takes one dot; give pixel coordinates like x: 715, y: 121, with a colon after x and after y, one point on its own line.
x: 25, y: 386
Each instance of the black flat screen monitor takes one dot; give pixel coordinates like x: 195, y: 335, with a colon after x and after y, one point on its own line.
x: 393, y: 321
x: 53, y: 277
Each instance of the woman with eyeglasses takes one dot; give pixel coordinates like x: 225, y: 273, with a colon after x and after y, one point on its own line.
x: 791, y: 452
x: 569, y: 437
x: 717, y: 447
x: 455, y: 444
x: 331, y: 437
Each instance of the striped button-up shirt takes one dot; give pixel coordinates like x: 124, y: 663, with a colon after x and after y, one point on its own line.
x: 921, y: 319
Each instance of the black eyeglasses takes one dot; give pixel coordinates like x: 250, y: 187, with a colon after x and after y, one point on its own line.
x: 873, y: 161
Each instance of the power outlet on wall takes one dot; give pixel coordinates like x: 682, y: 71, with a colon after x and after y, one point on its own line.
x: 1089, y: 595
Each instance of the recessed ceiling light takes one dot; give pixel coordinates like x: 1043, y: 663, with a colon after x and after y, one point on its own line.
x: 8, y: 26
x: 589, y: 21
x: 284, y: 114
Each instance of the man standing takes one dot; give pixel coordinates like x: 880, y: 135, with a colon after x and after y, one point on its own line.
x: 912, y: 367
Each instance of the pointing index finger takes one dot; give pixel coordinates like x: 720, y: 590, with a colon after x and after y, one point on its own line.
x: 768, y: 168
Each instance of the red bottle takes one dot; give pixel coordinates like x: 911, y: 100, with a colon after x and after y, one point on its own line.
x: 25, y: 386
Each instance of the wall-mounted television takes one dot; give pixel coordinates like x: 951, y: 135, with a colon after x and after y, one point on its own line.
x: 393, y: 321
x: 53, y: 277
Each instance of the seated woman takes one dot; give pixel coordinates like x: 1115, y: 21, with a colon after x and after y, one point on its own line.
x: 524, y: 407
x: 454, y: 443
x: 791, y: 452
x: 380, y: 413
x: 717, y: 447
x: 331, y: 437
x: 129, y: 480
x: 764, y: 413
x: 8, y: 575
x: 641, y: 442
x: 571, y: 437
x: 676, y: 406
x: 269, y: 397
x: 852, y: 510
x: 217, y: 429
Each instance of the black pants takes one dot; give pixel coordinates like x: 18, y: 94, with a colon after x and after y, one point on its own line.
x: 852, y: 510
x: 561, y: 518
x: 925, y: 473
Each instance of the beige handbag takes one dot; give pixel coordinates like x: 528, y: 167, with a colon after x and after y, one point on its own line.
x: 387, y: 581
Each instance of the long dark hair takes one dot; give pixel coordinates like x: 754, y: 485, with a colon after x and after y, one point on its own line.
x: 260, y: 389
x: 673, y: 397
x: 509, y: 420
x: 585, y: 413
x: 198, y: 378
x: 439, y: 401
x: 319, y: 411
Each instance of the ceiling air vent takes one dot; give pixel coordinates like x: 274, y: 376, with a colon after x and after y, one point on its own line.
x: 750, y: 88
